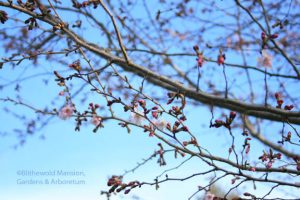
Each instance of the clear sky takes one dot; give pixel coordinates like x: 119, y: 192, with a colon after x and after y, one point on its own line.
x: 110, y: 151
x: 97, y: 156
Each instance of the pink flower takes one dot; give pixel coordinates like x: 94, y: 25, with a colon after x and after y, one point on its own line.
x: 66, y: 112
x: 160, y: 124
x: 137, y: 117
x: 209, y: 196
x: 228, y: 42
x: 96, y: 120
x: 265, y: 60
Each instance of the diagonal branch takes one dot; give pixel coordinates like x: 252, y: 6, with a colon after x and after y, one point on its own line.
x: 256, y: 110
x: 261, y: 138
x: 117, y: 31
x: 274, y: 43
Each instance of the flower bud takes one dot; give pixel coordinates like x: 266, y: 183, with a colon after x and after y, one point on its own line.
x: 269, y: 165
x: 3, y: 16
x: 247, y: 194
x: 127, y: 191
x: 274, y: 36
x: 263, y: 35
x: 232, y: 115
x: 200, y: 60
x: 288, y: 107
x: 196, y: 48
x: 277, y: 95
x: 278, y: 155
x: 221, y: 59
x: 185, y: 143
x: 185, y: 128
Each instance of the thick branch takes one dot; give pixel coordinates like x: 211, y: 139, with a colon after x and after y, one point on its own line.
x: 249, y: 109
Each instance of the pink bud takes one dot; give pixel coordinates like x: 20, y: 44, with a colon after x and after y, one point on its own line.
x: 142, y: 102
x: 232, y: 115
x: 253, y: 169
x: 247, y: 148
x: 233, y: 181
x: 221, y: 59
x: 279, y: 155
x: 218, y: 121
x: 247, y: 194
x: 269, y: 165
x: 127, y: 191
x: 185, y: 128
x: 279, y: 102
x: 274, y: 36
x: 196, y: 48
x: 288, y: 107
x: 155, y: 114
x: 277, y: 95
x: 230, y: 150
x: 200, y: 60
x: 170, y: 101
x: 263, y: 35
x: 155, y: 108
x: 151, y: 134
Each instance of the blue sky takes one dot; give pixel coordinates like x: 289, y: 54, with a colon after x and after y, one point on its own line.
x: 110, y: 151
x: 99, y: 155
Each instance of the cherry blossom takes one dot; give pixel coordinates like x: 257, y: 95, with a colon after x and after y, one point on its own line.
x: 137, y: 117
x: 96, y: 120
x: 160, y: 124
x: 66, y: 112
x: 265, y: 60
